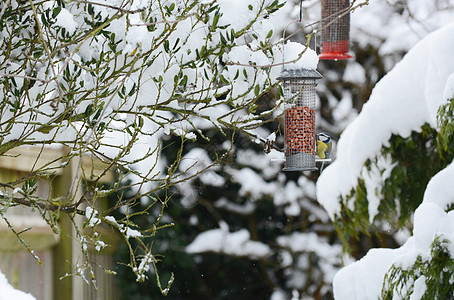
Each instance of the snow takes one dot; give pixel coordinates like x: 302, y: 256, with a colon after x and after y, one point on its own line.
x: 129, y: 232
x: 419, y: 288
x: 99, y: 245
x: 300, y: 56
x: 343, y: 112
x: 112, y: 220
x: 143, y: 267
x: 91, y: 215
x: 278, y: 295
x: 289, y: 195
x: 405, y: 99
x: 225, y: 204
x: 230, y: 9
x: 391, y: 30
x: 252, y: 184
x: 7, y: 292
x: 449, y: 88
x: 243, y: 55
x: 236, y: 243
x: 440, y: 189
x: 364, y: 278
x: 17, y: 191
x: 328, y: 254
x: 374, y: 179
x: 354, y: 72
x: 66, y: 20
x: 197, y: 162
x: 132, y: 233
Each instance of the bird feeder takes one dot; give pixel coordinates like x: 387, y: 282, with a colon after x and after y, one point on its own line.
x: 336, y: 29
x: 299, y: 118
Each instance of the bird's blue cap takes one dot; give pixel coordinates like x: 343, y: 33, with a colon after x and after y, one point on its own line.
x: 324, y: 137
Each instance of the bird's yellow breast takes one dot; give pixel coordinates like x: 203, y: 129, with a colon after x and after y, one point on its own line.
x: 321, y: 147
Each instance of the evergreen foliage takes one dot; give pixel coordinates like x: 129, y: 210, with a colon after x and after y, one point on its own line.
x: 413, y: 161
x: 445, y: 123
x: 435, y: 271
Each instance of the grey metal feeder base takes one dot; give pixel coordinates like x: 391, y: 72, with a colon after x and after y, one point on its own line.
x: 300, y: 162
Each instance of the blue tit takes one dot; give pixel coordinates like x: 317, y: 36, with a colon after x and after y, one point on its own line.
x: 324, y: 145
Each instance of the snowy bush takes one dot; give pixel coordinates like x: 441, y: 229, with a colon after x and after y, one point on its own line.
x: 109, y: 80
x: 398, y: 175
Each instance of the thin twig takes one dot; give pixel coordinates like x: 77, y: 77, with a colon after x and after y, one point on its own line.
x: 5, y: 5
x: 161, y: 22
x: 120, y: 9
x: 26, y: 77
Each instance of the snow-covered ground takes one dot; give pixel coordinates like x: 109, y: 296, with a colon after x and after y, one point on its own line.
x: 7, y: 292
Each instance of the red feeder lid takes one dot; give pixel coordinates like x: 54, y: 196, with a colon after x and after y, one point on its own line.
x: 335, y: 50
x: 334, y: 55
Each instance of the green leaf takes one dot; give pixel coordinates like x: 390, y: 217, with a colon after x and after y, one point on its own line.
x: 176, y: 43
x: 133, y: 90
x: 46, y: 128
x: 44, y: 20
x: 281, y: 91
x: 222, y: 78
x: 215, y: 21
x: 203, y: 51
x: 91, y: 9
x: 270, y: 34
x: 232, y: 35
x: 184, y: 81
x: 140, y: 121
x: 88, y: 110
x: 98, y: 113
x: 236, y: 75
x: 56, y: 11
x: 223, y: 40
x: 103, y: 75
x: 101, y: 126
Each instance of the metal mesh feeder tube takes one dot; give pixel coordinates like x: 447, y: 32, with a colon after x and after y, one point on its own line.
x: 299, y: 118
x: 336, y: 30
